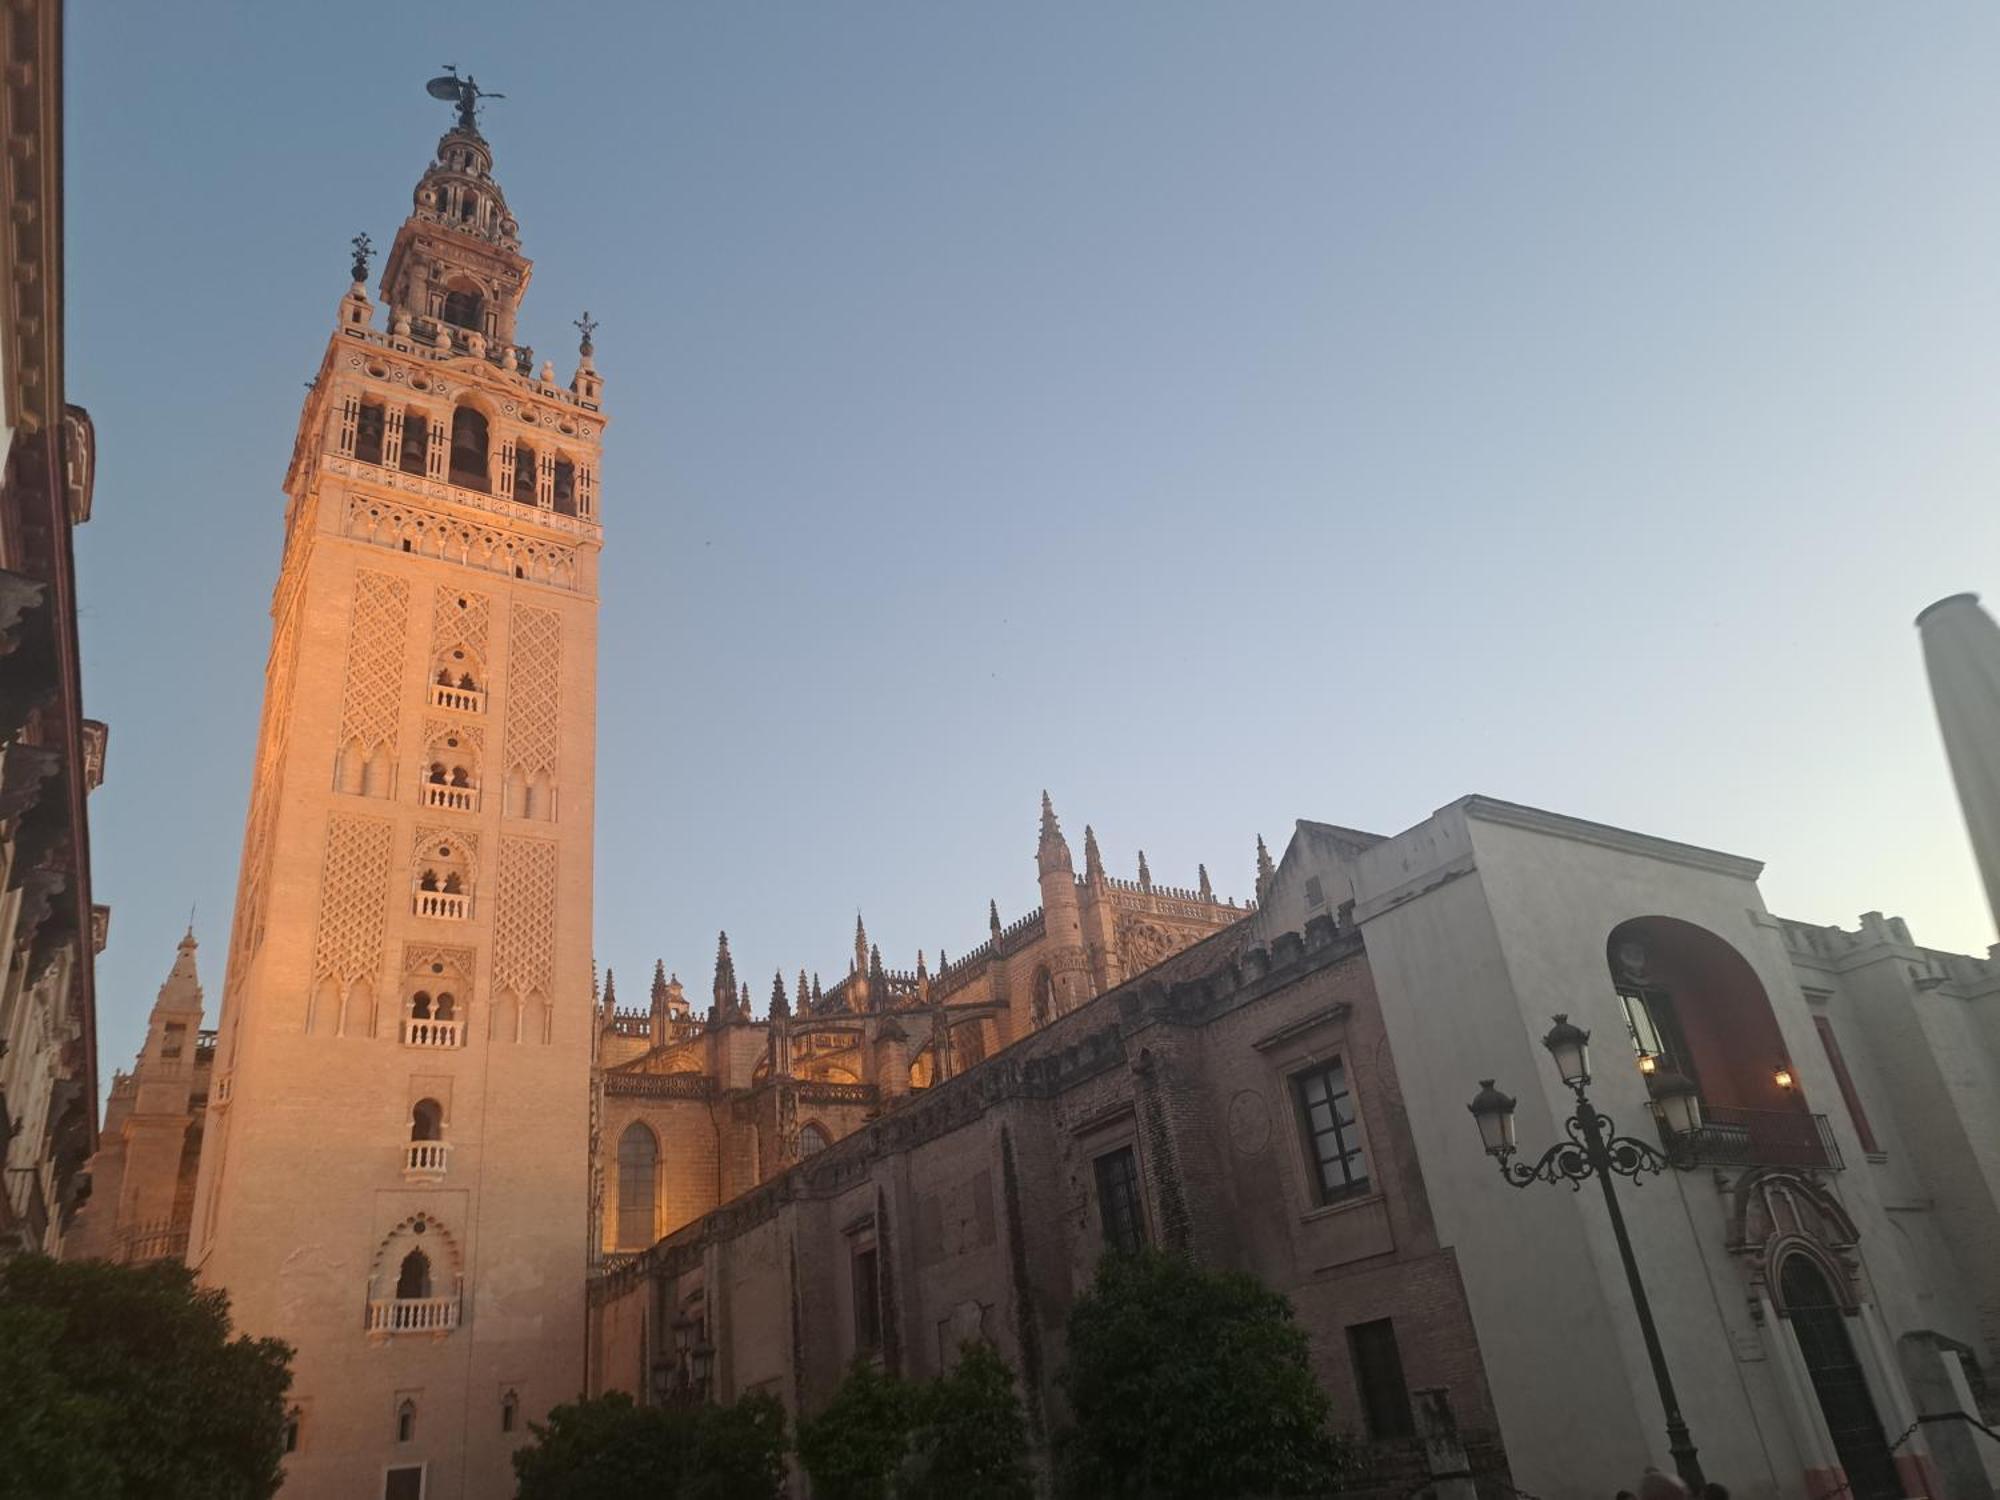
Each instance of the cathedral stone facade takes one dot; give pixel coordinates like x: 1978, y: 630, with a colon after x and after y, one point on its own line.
x: 395, y: 1157
x: 692, y: 1110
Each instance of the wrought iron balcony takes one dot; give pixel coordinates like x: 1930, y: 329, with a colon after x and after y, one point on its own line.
x: 1759, y: 1138
x: 453, y: 798
x: 427, y: 1160
x: 458, y: 700
x: 413, y: 1315
x: 424, y: 1033
x: 448, y: 906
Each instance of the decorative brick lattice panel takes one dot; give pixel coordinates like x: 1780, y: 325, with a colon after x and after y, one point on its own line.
x: 353, y: 891
x: 452, y: 626
x: 524, y: 925
x: 375, y: 644
x: 534, y: 676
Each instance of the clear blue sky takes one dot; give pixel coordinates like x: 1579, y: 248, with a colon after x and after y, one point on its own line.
x: 1218, y: 414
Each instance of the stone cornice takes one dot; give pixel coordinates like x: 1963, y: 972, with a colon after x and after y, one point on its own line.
x: 1579, y: 830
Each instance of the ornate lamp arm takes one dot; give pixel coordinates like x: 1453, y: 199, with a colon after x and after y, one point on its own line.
x: 1593, y: 1147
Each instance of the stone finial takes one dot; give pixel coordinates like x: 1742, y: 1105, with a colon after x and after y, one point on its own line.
x: 1093, y: 862
x: 819, y: 995
x: 1145, y: 874
x: 943, y: 963
x: 860, y: 941
x: 805, y: 994
x: 659, y: 981
x: 1207, y: 891
x: 743, y: 1001
x: 1266, y: 872
x: 922, y: 972
x: 993, y: 917
x: 586, y: 326
x: 781, y: 1005
x: 610, y: 991
x: 725, y: 976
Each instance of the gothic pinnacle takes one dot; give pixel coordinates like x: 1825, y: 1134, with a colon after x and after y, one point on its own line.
x: 993, y: 916
x: 725, y: 975
x: 1207, y: 890
x: 659, y: 981
x: 805, y: 995
x: 1093, y: 864
x: 1265, y: 871
x: 779, y: 1003
x: 1145, y: 875
x: 610, y: 991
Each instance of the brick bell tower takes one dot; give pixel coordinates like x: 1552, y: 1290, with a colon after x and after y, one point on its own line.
x: 393, y: 1177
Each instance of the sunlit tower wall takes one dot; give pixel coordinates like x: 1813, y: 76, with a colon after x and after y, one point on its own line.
x: 393, y: 1177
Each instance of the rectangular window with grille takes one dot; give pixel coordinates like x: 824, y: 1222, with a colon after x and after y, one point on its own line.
x: 1378, y: 1373
x: 1120, y: 1209
x: 1332, y: 1133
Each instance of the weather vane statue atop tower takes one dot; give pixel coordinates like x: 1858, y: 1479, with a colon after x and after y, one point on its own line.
x: 464, y: 92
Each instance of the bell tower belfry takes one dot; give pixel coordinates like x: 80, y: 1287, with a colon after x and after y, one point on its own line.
x: 394, y: 1170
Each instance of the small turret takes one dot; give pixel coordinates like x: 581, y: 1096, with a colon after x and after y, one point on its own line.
x: 1266, y: 872
x: 1062, y: 918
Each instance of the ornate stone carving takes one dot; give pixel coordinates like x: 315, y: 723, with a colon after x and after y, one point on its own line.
x: 375, y: 641
x: 353, y: 891
x: 524, y: 920
x: 534, y: 676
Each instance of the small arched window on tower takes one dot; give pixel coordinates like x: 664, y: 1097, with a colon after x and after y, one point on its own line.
x: 368, y: 432
x: 465, y: 308
x: 468, y: 449
x: 510, y: 1412
x: 406, y: 1414
x: 565, y: 491
x: 420, y: 1006
x: 413, y: 1281
x: 812, y: 1141
x: 426, y: 1121
x: 524, y: 474
x: 416, y: 446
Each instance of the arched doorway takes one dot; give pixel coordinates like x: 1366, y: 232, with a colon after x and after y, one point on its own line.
x: 1820, y: 1326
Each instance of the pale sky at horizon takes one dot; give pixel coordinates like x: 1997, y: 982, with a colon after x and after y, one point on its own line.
x: 1220, y: 415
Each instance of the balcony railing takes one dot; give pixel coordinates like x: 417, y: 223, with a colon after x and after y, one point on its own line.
x: 449, y: 906
x: 423, y: 1033
x: 428, y: 1159
x: 454, y: 798
x: 1761, y: 1138
x: 159, y: 1240
x: 458, y: 700
x: 413, y: 1315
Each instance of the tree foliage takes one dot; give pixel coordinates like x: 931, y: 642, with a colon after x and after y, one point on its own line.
x: 854, y: 1447
x: 609, y: 1448
x: 123, y: 1381
x: 1191, y: 1383
x: 959, y: 1437
x: 973, y: 1441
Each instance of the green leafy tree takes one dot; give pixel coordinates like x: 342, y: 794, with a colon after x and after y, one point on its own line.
x: 122, y: 1383
x: 973, y: 1444
x: 1191, y: 1383
x: 854, y: 1447
x: 609, y: 1448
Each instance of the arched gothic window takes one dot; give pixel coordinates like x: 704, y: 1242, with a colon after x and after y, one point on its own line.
x: 406, y: 1421
x: 638, y: 1167
x: 468, y: 449
x: 420, y: 1006
x: 427, y: 1121
x: 812, y: 1141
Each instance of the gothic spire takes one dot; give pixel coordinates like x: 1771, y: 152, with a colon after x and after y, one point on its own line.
x: 1145, y: 875
x: 725, y: 976
x: 805, y: 995
x: 182, y: 989
x: 1207, y: 891
x: 860, y: 942
x: 819, y: 995
x: 1266, y: 873
x: 1052, y: 853
x: 780, y: 1005
x: 610, y: 991
x: 1093, y: 863
x: 993, y: 917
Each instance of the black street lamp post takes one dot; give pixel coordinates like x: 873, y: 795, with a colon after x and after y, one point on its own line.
x: 1595, y: 1149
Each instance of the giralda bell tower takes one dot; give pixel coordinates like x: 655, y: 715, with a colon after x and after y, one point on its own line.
x: 394, y: 1176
